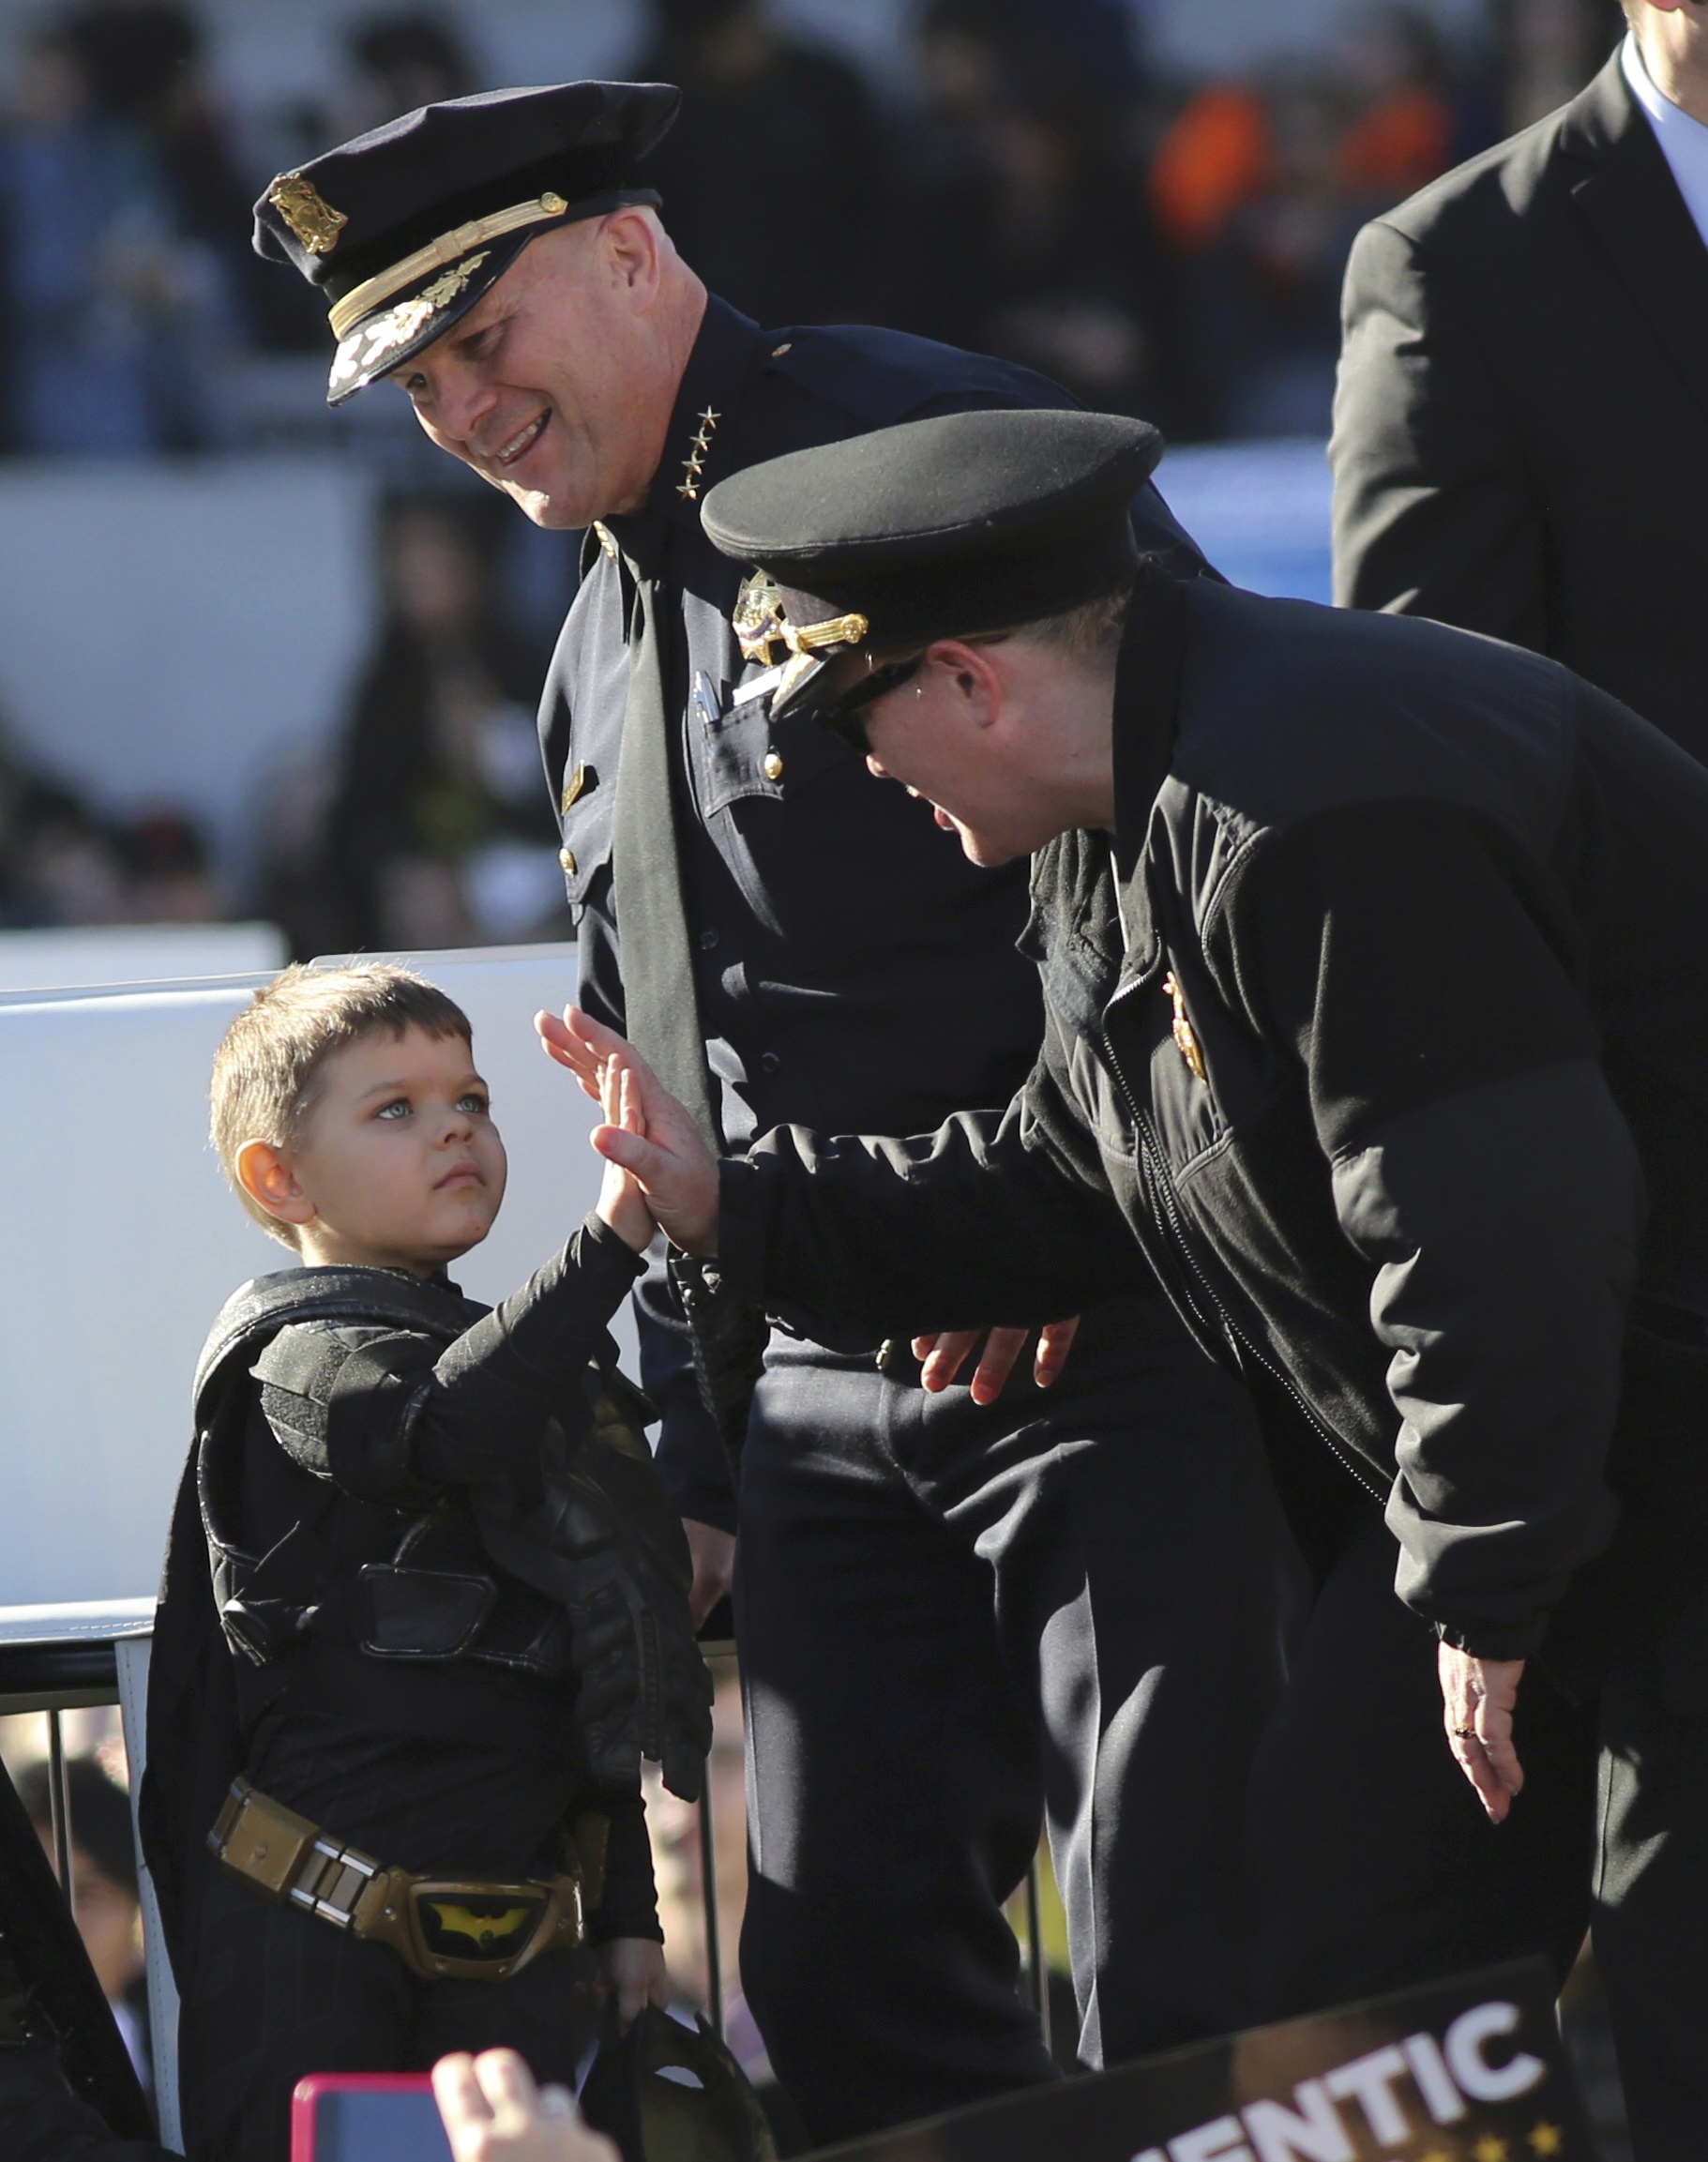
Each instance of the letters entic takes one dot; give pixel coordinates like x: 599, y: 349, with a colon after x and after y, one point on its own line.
x: 1446, y: 2076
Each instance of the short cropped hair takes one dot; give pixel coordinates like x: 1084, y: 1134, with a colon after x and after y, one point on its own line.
x: 267, y: 1062
x: 1087, y: 632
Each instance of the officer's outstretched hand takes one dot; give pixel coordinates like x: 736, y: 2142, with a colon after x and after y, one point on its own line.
x: 669, y: 1160
x: 1477, y: 1700
x: 494, y: 2112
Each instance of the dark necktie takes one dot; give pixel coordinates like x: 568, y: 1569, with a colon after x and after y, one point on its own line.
x: 663, y: 1014
x: 652, y: 917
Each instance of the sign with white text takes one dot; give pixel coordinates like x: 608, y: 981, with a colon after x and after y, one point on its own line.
x: 1464, y: 2071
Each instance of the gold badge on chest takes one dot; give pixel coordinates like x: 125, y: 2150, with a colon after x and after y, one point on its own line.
x: 1185, y: 1038
x: 758, y: 620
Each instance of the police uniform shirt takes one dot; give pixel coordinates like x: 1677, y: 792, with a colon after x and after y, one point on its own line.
x: 854, y: 971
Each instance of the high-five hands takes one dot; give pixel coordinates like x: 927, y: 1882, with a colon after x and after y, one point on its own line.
x: 651, y: 1138
x: 621, y: 1203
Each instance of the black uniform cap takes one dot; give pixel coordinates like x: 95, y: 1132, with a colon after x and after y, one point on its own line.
x: 944, y: 528
x: 404, y: 228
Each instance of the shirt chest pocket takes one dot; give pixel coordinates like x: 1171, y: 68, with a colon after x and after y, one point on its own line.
x: 586, y: 808
x: 740, y: 754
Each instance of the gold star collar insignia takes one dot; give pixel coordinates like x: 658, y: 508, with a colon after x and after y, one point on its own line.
x: 1545, y: 2139
x: 307, y: 212
x: 692, y: 463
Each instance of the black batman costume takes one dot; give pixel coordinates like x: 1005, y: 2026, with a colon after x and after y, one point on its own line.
x: 424, y: 1590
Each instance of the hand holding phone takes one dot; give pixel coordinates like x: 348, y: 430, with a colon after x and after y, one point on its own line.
x: 367, y: 2117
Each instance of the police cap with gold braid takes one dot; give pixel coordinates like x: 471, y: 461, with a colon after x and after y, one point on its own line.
x: 970, y: 523
x: 404, y: 228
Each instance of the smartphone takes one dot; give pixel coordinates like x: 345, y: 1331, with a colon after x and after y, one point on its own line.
x: 367, y: 2117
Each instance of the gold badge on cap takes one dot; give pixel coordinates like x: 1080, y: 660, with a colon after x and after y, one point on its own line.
x: 307, y: 212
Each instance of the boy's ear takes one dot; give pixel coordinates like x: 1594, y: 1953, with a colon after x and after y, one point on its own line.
x: 270, y: 1183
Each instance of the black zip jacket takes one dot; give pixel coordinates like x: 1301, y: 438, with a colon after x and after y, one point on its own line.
x: 1370, y: 1027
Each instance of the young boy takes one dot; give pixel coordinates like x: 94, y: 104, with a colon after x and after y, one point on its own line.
x: 424, y: 1607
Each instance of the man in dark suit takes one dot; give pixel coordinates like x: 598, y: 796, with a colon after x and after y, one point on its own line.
x: 1521, y: 438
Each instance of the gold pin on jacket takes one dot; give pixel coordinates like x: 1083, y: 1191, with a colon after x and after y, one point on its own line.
x: 1185, y: 1039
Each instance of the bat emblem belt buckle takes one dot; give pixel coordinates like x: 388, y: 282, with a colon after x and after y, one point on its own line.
x: 444, y: 1928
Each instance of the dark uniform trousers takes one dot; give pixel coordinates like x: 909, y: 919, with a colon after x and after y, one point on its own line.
x: 1372, y: 1867
x: 951, y: 1619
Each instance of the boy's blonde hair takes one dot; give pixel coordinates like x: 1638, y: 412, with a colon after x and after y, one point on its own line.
x: 267, y: 1066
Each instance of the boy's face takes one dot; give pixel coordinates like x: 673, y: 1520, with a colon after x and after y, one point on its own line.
x: 397, y: 1163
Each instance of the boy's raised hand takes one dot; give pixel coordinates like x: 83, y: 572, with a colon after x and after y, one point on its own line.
x: 621, y: 1203
x: 669, y: 1159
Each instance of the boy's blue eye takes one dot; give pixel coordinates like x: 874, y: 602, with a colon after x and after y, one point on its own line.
x: 396, y: 1109
x: 476, y: 1102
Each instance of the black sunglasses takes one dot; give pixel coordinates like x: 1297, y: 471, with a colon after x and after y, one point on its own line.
x: 846, y: 717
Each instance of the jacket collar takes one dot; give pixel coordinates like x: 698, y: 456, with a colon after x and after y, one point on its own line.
x: 1619, y: 179
x: 702, y: 421
x: 1147, y: 694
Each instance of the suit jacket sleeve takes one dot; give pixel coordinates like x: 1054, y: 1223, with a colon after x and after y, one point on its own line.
x: 1435, y: 512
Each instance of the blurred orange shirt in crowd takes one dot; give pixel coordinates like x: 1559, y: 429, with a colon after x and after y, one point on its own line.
x: 1214, y: 156
x: 1397, y: 145
x: 1217, y: 155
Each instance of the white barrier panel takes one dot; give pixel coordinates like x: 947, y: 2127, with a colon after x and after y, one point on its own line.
x: 136, y: 953
x: 173, y: 632
x: 122, y: 1241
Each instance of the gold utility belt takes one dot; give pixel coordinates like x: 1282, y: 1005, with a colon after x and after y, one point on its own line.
x: 444, y: 1928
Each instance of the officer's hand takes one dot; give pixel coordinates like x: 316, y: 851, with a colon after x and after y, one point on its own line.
x: 494, y: 2112
x: 632, y: 1970
x: 712, y: 1554
x: 1477, y: 1700
x: 943, y: 1355
x: 671, y: 1163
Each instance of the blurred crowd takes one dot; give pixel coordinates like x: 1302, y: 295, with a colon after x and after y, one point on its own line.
x: 1028, y: 182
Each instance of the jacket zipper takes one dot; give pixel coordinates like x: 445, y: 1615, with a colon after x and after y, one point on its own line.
x: 1244, y: 1349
